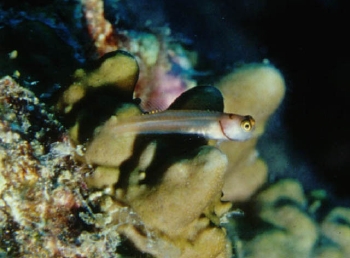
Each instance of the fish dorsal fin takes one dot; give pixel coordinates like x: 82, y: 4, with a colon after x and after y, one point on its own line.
x: 152, y: 112
x: 200, y: 98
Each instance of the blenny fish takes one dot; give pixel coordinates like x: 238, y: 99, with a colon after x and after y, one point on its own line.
x: 211, y: 125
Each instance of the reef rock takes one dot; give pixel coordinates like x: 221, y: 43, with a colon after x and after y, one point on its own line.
x: 41, y: 186
x: 163, y: 193
x: 172, y: 184
x: 336, y: 229
x: 283, y: 223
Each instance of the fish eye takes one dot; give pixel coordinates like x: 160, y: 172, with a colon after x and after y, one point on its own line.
x: 247, y: 123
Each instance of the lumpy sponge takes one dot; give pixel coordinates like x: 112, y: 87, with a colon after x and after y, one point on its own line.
x: 256, y: 90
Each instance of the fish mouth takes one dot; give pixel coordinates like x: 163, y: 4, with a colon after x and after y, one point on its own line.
x: 223, y: 131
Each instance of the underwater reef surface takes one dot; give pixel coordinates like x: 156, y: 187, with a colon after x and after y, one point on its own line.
x: 71, y: 186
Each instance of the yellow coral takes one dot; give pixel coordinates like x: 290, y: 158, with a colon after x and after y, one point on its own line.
x: 257, y: 90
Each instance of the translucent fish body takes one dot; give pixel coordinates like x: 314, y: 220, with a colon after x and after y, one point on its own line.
x: 211, y: 125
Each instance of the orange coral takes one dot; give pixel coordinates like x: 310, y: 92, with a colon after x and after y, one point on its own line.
x: 100, y: 29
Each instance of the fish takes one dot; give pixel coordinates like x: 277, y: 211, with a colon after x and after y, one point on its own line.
x: 208, y: 124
